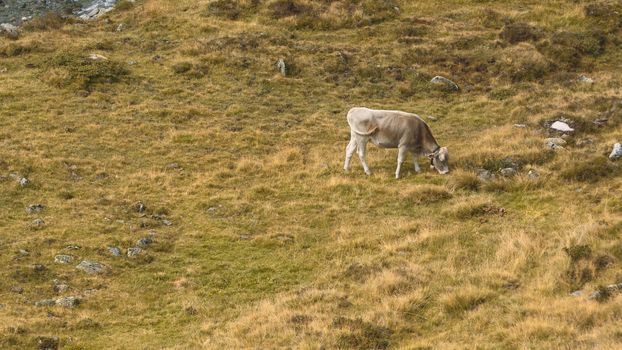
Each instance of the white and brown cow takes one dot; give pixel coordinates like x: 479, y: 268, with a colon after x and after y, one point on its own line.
x: 393, y: 129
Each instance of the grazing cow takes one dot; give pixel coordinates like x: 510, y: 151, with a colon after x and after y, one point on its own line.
x: 393, y: 129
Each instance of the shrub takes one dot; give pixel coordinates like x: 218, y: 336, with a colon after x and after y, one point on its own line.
x: 50, y: 20
x: 229, y: 9
x: 591, y: 170
x: 426, y: 194
x: 524, y: 63
x: 518, y: 32
x: 78, y: 71
x: 182, y: 67
x: 124, y: 5
x: 587, y: 43
x: 464, y: 181
x: 286, y: 8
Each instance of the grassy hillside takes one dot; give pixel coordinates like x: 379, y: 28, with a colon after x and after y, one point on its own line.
x: 260, y: 240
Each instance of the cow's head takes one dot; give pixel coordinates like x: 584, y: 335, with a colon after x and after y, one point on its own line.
x: 439, y: 160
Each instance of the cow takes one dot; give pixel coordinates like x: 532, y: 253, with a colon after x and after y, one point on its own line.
x: 393, y: 129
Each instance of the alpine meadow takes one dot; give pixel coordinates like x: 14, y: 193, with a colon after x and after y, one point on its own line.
x: 171, y: 176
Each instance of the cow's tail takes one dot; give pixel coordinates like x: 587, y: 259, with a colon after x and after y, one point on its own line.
x: 369, y: 133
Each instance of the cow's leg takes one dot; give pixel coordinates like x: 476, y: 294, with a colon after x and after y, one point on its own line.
x: 350, y: 148
x: 401, y: 156
x: 362, y: 150
x: 417, y: 167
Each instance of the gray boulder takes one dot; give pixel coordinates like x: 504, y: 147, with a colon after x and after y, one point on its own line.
x: 114, y: 251
x: 68, y: 302
x: 91, y: 267
x: 45, y: 302
x: 35, y: 208
x: 554, y: 143
x: 485, y: 175
x: 508, y: 172
x: 616, y: 153
x: 63, y: 259
x: 131, y: 252
x: 439, y: 80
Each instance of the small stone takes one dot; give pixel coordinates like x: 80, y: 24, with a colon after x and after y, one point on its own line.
x: 38, y: 267
x: 140, y: 207
x: 508, y: 172
x: 63, y: 259
x: 577, y: 293
x: 616, y: 153
x: 554, y: 143
x: 68, y: 302
x: 211, y: 209
x: 145, y: 241
x: 166, y: 222
x: 17, y: 290
x: 72, y: 247
x: 23, y: 252
x: 120, y: 27
x: 533, y: 175
x: 9, y: 29
x: 36, y: 223
x: 432, y: 118
x: 561, y: 126
x: 131, y: 252
x: 439, y: 80
x: 35, y: 208
x: 61, y: 288
x: 245, y: 236
x: 485, y: 175
x: 585, y: 80
x: 601, y: 121
x: 24, y: 182
x: 91, y: 267
x: 47, y: 343
x: 45, y: 302
x: 520, y: 126
x: 114, y: 251
x: 594, y: 295
x: 280, y: 65
x: 173, y: 166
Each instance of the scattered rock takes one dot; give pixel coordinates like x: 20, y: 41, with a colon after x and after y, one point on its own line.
x: 98, y: 8
x: 38, y: 267
x: 140, y: 207
x: 23, y: 252
x: 145, y: 241
x: 97, y: 57
x: 24, y: 182
x: 439, y: 80
x: 554, y: 143
x: 72, y: 247
x: 245, y: 236
x: 45, y: 302
x: 131, y: 252
x: 63, y: 259
x: 211, y: 209
x: 120, y: 27
x: 432, y: 118
x: 280, y: 65
x: 485, y: 175
x: 585, y: 80
x: 166, y: 222
x: 616, y: 153
x: 35, y: 208
x: 520, y: 126
x: 561, y: 126
x: 9, y: 29
x: 37, y: 223
x: 577, y: 293
x: 47, y: 343
x: 114, y: 251
x: 173, y: 166
x: 508, y: 172
x: 68, y: 302
x: 533, y: 175
x: 600, y: 121
x: 61, y: 287
x: 17, y: 290
x: 91, y: 267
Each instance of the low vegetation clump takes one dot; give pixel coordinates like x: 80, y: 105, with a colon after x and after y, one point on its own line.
x: 48, y: 21
x: 76, y: 71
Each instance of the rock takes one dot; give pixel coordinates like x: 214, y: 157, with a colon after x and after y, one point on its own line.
x: 533, y: 175
x: 61, y: 288
x: 97, y: 57
x: 577, y: 293
x: 145, y: 241
x: 120, y: 27
x: 432, y: 118
x: 35, y: 208
x: 37, y: 223
x: 63, y: 259
x: 245, y: 236
x: 23, y: 252
x: 616, y: 153
x: 68, y: 302
x: 38, y: 267
x: 485, y: 175
x: 140, y: 207
x: 24, y: 182
x: 554, y: 143
x: 72, y: 247
x: 211, y: 209
x: 131, y: 252
x: 17, y: 290
x: 280, y: 65
x: 114, y: 251
x: 594, y: 295
x: 561, y: 126
x: 520, y: 126
x: 585, y: 80
x: 173, y: 166
x: 97, y: 8
x: 508, y: 172
x: 9, y: 29
x: 47, y: 343
x: 45, y: 302
x: 91, y: 267
x: 600, y: 121
x: 439, y: 80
